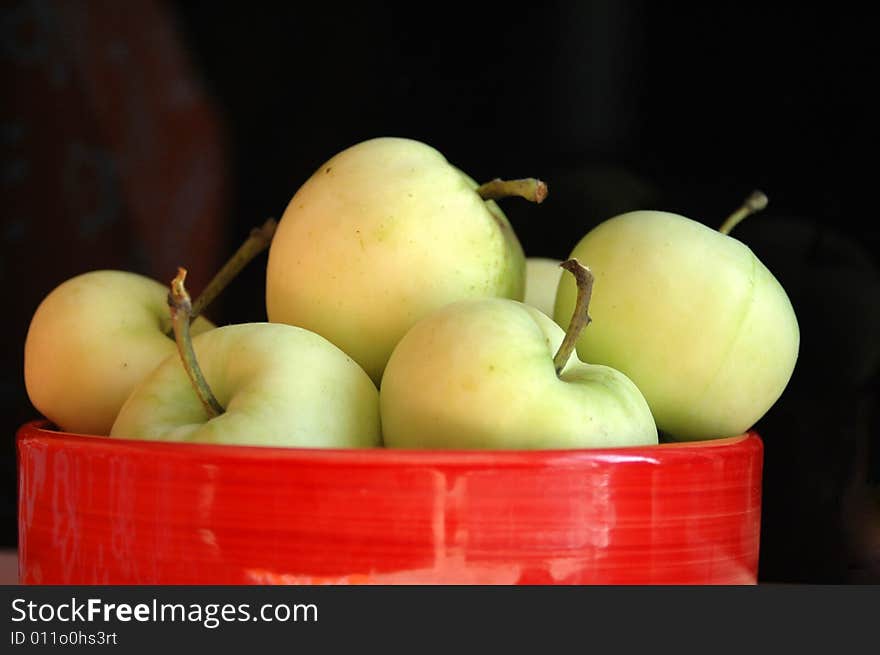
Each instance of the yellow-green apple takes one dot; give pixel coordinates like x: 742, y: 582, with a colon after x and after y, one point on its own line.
x: 384, y: 233
x: 276, y: 385
x: 691, y: 316
x: 542, y: 279
x: 98, y: 334
x: 482, y: 373
x: 90, y: 341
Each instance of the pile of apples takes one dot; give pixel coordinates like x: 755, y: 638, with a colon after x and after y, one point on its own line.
x: 394, y: 297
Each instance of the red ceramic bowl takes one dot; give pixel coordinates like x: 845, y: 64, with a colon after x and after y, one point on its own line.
x: 95, y: 510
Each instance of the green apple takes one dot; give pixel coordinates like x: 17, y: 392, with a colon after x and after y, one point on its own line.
x: 90, y: 341
x: 691, y: 316
x: 267, y: 384
x: 542, y: 279
x: 481, y: 373
x: 382, y: 234
x: 96, y: 335
x: 279, y: 385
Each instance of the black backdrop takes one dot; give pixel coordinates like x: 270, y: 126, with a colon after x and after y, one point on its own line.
x: 617, y: 105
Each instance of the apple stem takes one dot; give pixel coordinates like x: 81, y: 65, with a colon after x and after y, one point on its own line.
x: 580, y: 318
x: 531, y: 189
x: 181, y: 311
x: 259, y: 239
x: 753, y: 204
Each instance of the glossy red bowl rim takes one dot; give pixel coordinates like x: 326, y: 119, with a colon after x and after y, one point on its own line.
x: 381, y: 456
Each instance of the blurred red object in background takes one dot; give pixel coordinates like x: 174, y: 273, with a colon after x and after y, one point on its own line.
x: 112, y: 155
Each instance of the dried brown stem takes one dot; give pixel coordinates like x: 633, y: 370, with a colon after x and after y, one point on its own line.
x: 756, y: 202
x: 181, y: 315
x: 258, y: 240
x: 580, y: 318
x: 531, y: 189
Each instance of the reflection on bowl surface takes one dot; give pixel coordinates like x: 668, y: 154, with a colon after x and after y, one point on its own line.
x: 94, y: 510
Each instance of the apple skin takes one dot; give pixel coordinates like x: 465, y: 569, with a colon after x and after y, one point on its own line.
x: 90, y: 341
x: 691, y: 316
x: 479, y: 374
x: 542, y: 280
x: 280, y: 386
x: 381, y: 235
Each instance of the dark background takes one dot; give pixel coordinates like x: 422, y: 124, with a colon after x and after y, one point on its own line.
x: 617, y: 105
